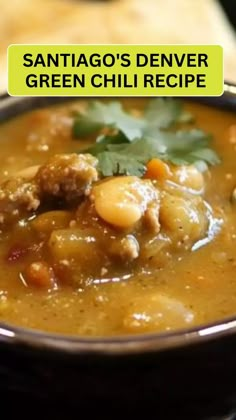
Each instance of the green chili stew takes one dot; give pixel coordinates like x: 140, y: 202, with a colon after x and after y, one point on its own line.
x: 118, y: 217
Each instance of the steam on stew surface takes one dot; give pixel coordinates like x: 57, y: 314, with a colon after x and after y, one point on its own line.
x: 118, y: 217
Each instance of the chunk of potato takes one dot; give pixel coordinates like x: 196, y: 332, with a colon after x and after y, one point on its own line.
x: 188, y: 176
x: 156, y: 248
x: 156, y: 311
x: 184, y: 217
x: 51, y: 220
x: 77, y: 244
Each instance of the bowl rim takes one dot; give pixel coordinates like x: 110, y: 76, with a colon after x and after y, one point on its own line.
x: 124, y: 344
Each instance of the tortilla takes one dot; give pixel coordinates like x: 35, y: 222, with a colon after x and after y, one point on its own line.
x: 121, y: 21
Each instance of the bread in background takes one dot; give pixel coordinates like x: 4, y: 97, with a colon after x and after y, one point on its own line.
x: 117, y: 21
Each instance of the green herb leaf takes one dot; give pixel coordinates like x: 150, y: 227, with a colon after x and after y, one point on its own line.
x: 181, y: 148
x: 90, y: 122
x: 100, y: 115
x: 137, y: 140
x: 163, y: 112
x: 103, y: 142
x: 160, y: 113
x: 116, y: 163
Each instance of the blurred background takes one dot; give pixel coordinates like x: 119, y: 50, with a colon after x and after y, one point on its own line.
x: 119, y: 21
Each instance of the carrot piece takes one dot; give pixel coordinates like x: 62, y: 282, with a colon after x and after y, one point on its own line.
x: 157, y: 169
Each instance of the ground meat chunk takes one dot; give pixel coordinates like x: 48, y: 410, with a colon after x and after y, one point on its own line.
x: 67, y: 176
x: 151, y: 216
x: 125, y: 249
x: 17, y: 197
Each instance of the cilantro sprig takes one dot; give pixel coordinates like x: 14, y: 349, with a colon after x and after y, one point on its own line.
x: 100, y: 115
x: 131, y: 141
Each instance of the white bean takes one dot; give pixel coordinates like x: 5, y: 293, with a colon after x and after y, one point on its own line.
x: 122, y: 201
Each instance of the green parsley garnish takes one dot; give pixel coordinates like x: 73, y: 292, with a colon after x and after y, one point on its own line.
x: 112, y: 115
x: 133, y: 141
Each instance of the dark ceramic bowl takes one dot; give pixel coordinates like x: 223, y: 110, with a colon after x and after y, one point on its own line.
x: 187, y: 374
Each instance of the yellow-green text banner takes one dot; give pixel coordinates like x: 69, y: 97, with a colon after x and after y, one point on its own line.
x: 115, y: 70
